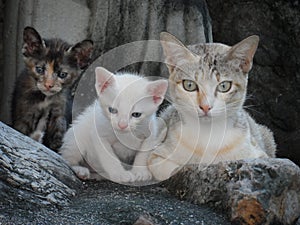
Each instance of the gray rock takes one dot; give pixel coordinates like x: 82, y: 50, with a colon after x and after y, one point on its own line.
x: 31, y: 174
x: 259, y: 191
x: 107, y: 203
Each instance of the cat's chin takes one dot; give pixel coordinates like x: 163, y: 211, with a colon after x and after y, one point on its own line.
x: 49, y: 93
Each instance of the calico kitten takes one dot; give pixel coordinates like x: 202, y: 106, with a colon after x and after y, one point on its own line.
x: 118, y: 127
x: 41, y: 103
x: 206, y: 121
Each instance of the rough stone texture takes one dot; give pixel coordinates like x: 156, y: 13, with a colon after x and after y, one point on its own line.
x: 31, y: 174
x: 107, y: 203
x: 274, y: 82
x: 260, y: 191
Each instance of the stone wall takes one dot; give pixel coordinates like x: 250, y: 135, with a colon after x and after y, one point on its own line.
x: 274, y: 82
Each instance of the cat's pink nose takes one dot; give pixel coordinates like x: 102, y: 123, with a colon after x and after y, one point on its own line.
x: 122, y: 125
x: 205, y: 108
x: 48, y: 86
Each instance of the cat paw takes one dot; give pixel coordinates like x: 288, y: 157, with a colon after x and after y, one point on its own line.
x: 141, y: 174
x: 122, y: 177
x: 81, y: 172
x: 37, y: 136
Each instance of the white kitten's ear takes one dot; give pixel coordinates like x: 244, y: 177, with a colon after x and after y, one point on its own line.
x: 157, y: 89
x: 175, y: 52
x: 244, y: 51
x: 104, y: 79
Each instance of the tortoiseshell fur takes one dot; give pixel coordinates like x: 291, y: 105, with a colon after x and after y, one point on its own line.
x: 42, y: 100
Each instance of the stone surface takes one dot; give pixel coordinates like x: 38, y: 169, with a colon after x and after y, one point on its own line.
x: 274, y: 82
x: 260, y: 191
x: 107, y: 203
x: 32, y: 174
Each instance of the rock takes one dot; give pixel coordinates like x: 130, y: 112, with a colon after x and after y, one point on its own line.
x: 107, y: 203
x: 274, y: 82
x: 143, y: 221
x: 31, y: 174
x: 259, y: 191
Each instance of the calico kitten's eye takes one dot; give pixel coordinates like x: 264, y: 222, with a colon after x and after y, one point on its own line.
x: 225, y: 86
x: 136, y: 114
x: 112, y: 110
x: 40, y: 70
x: 62, y: 75
x: 189, y: 85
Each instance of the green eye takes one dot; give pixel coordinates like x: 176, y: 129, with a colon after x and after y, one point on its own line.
x: 189, y: 85
x: 112, y: 110
x: 224, y: 86
x: 136, y: 114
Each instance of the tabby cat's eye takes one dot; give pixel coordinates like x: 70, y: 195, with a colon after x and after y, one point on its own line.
x: 224, y: 86
x: 112, y: 110
x: 40, y: 70
x: 189, y: 85
x: 136, y: 114
x: 62, y: 75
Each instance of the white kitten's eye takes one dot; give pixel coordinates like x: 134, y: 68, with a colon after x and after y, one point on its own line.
x: 189, y: 85
x: 224, y: 86
x: 112, y: 110
x: 136, y: 114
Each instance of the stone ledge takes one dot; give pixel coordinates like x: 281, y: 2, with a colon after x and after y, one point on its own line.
x: 259, y: 191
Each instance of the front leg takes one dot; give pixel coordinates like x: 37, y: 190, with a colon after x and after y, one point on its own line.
x: 162, y: 168
x: 56, y: 129
x: 104, y: 158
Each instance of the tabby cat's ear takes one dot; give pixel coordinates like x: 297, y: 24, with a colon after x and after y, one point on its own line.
x: 104, y: 79
x: 244, y: 51
x: 175, y: 52
x: 32, y: 42
x: 81, y: 53
x: 157, y: 89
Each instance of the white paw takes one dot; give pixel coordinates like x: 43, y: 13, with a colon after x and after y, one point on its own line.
x: 122, y: 177
x: 141, y: 174
x: 82, y: 172
x: 37, y: 136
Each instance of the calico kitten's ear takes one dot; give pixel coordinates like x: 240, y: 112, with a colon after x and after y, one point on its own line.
x: 104, y: 79
x: 157, y: 89
x: 33, y: 43
x: 82, y: 52
x: 244, y: 51
x: 175, y: 52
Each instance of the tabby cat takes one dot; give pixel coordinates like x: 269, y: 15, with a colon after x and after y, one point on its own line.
x: 206, y: 122
x: 41, y: 102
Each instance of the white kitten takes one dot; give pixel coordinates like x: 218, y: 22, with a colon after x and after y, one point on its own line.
x: 119, y: 126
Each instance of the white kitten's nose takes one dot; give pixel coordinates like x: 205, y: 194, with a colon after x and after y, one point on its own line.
x: 122, y: 125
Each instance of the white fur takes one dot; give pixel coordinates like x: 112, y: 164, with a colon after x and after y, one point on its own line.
x: 96, y: 137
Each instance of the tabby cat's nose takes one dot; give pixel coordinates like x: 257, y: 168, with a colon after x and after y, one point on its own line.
x: 205, y: 108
